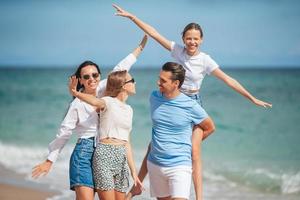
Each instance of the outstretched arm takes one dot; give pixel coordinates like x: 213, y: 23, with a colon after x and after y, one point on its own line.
x: 90, y: 99
x: 239, y: 88
x: 145, y: 27
x: 41, y: 169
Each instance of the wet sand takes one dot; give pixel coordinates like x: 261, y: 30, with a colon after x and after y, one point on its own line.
x: 14, y: 187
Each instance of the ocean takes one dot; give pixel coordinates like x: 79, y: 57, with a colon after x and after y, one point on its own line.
x: 254, y: 153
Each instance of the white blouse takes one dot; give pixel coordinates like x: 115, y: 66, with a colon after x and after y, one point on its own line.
x: 116, y: 119
x: 81, y: 117
x: 196, y: 67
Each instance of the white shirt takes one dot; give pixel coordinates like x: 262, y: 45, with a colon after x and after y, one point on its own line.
x: 196, y: 67
x: 116, y: 119
x: 81, y: 117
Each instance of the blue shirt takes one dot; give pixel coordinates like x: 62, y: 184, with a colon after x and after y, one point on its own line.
x: 172, y: 126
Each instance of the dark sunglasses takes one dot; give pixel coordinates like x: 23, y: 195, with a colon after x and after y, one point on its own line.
x: 87, y: 76
x: 130, y: 81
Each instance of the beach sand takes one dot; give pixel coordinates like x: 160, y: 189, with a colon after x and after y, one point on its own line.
x: 14, y: 187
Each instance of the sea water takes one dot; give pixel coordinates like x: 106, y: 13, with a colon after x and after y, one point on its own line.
x: 253, y: 154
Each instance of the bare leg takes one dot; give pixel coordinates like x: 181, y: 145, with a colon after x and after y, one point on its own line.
x: 84, y: 193
x: 197, y: 163
x: 120, y: 195
x: 106, y: 195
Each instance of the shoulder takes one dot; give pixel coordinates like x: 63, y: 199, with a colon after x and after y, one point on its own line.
x: 206, y: 57
x: 176, y: 47
x: 75, y: 103
x: 108, y: 99
x: 155, y: 94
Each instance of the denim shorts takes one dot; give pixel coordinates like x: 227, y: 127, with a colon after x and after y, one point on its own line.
x: 196, y: 97
x: 80, y: 170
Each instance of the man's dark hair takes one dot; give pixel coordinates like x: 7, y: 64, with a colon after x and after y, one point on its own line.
x: 178, y: 72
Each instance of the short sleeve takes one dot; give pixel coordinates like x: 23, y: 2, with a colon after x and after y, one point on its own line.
x: 108, y: 103
x: 210, y: 65
x: 198, y: 114
x: 176, y: 50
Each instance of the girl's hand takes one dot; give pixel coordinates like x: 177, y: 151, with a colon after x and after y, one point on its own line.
x: 73, y: 81
x: 262, y: 103
x: 41, y: 169
x: 122, y: 12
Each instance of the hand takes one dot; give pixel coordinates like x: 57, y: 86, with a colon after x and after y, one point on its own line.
x: 133, y: 192
x: 138, y: 186
x: 262, y: 103
x: 121, y: 12
x: 73, y: 81
x: 143, y: 42
x: 41, y: 169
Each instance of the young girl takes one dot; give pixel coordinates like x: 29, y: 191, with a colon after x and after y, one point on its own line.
x: 113, y: 152
x: 83, y: 119
x: 197, y: 65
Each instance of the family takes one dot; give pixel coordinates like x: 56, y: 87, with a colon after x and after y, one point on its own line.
x: 102, y: 160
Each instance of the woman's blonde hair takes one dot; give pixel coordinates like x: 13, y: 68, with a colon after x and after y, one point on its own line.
x: 115, y: 82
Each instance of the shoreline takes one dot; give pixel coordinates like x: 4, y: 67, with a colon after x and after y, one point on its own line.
x: 13, y: 186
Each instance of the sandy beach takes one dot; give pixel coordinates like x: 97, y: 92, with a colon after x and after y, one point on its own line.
x: 14, y: 187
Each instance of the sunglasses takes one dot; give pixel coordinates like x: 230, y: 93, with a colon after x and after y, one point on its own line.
x: 130, y: 81
x: 88, y: 76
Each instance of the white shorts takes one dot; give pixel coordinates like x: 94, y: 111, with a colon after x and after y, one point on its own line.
x: 169, y: 181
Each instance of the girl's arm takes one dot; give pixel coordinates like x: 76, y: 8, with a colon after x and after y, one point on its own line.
x: 239, y: 88
x: 90, y: 99
x: 131, y: 165
x: 145, y: 27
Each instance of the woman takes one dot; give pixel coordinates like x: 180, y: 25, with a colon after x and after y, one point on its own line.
x: 113, y: 152
x: 83, y: 119
x: 197, y: 65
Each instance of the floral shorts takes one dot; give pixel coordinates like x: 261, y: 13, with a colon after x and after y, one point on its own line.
x: 110, y: 168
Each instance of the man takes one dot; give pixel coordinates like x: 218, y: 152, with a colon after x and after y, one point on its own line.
x: 169, y: 156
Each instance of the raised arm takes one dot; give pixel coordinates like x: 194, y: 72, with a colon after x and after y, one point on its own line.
x: 137, y: 51
x: 129, y: 60
x: 234, y: 84
x: 90, y: 99
x: 152, y: 32
x: 124, y: 64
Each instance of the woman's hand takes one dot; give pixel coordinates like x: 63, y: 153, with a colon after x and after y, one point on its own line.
x: 41, y: 169
x: 122, y: 12
x: 73, y: 81
x: 143, y: 42
x: 138, y: 185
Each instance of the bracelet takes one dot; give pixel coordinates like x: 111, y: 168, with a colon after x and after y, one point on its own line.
x: 141, y: 47
x: 133, y: 18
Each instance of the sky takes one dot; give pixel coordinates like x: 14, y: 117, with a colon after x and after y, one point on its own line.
x: 64, y: 33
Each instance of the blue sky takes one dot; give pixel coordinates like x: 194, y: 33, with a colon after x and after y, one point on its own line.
x: 61, y: 33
